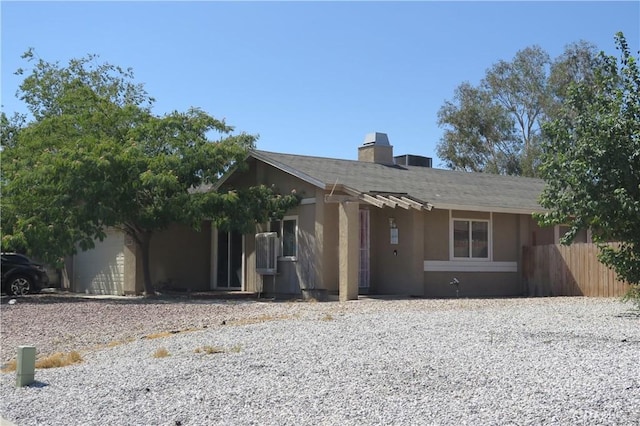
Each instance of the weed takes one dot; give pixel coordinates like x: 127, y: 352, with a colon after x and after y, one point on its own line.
x: 55, y: 360
x: 10, y: 366
x: 210, y: 350
x: 217, y: 349
x: 74, y: 357
x: 115, y: 343
x: 59, y: 359
x: 158, y: 335
x: 161, y: 352
x: 327, y: 317
x: 259, y: 319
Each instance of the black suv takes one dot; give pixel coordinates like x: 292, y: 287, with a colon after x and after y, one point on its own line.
x: 21, y: 276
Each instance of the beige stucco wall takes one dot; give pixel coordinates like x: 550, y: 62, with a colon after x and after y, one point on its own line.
x: 509, y: 233
x: 292, y: 274
x: 376, y: 154
x: 473, y: 284
x: 301, y: 273
x: 349, y: 252
x: 306, y: 270
x: 133, y: 275
x: 506, y: 237
x: 465, y: 214
x: 330, y: 255
x: 397, y: 268
x: 436, y: 235
x: 252, y: 281
x: 281, y: 182
x: 540, y: 235
x: 317, y: 263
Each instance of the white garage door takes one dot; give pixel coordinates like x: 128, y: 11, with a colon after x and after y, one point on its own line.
x: 101, y: 269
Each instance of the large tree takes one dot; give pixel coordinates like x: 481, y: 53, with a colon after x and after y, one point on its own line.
x: 495, y: 127
x: 480, y: 135
x: 591, y: 162
x: 92, y: 155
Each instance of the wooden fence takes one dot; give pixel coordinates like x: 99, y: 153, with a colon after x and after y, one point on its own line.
x: 557, y: 270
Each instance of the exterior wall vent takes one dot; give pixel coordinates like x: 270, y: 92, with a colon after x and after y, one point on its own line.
x: 412, y: 160
x: 267, y: 245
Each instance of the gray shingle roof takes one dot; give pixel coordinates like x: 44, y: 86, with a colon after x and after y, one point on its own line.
x: 441, y: 188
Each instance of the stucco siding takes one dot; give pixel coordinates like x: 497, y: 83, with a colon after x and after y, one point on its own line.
x: 396, y: 268
x: 465, y: 214
x: 308, y: 250
x: 252, y: 280
x: 505, y: 238
x: 416, y: 271
x: 283, y: 182
x: 331, y: 247
x: 293, y: 273
x: 497, y: 276
x: 472, y: 284
x: 300, y: 273
x: 541, y: 236
x: 436, y: 235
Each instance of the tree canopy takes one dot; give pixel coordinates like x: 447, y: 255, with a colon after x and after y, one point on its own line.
x: 495, y: 127
x: 92, y: 155
x: 591, y: 161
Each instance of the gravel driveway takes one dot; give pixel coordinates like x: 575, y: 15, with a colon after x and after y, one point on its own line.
x: 551, y: 361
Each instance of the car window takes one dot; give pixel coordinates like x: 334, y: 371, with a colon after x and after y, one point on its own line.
x: 16, y: 258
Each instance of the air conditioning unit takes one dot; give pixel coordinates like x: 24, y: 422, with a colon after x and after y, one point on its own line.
x: 267, y: 248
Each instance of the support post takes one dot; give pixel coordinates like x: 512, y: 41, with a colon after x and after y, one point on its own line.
x: 349, y: 246
x: 26, y: 366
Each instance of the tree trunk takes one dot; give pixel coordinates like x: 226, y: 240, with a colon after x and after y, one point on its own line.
x: 144, y: 241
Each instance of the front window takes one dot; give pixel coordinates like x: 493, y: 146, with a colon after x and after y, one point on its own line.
x: 287, y: 232
x: 471, y: 239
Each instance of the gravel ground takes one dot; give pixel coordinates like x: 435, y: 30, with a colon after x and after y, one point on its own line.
x: 551, y: 361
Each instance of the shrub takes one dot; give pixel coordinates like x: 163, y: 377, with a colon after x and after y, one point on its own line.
x: 633, y: 295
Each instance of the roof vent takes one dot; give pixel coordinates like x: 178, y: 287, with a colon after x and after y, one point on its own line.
x: 412, y: 160
x: 376, y: 138
x: 376, y: 149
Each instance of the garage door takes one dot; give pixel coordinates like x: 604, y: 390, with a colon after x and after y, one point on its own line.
x: 101, y: 269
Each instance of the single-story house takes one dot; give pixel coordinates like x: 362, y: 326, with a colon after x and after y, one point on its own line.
x: 383, y: 224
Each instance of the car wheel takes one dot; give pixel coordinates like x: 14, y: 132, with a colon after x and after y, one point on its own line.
x: 20, y: 285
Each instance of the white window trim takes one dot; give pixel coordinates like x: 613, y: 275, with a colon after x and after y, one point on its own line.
x: 489, y: 257
x: 469, y: 266
x: 281, y: 233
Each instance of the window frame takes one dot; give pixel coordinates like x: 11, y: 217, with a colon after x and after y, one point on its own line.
x: 470, y: 257
x: 280, y: 232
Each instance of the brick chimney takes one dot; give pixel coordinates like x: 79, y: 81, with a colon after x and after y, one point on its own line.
x: 376, y: 149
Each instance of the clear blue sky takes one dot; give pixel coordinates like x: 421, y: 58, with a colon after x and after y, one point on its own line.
x: 308, y: 77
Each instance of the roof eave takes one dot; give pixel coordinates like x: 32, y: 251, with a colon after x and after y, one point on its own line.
x: 287, y: 169
x: 488, y: 209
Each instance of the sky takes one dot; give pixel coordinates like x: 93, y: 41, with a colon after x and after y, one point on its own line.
x: 310, y: 78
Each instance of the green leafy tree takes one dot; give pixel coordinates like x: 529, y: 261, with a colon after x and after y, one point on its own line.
x: 480, y: 135
x: 591, y: 162
x: 94, y: 156
x: 496, y: 126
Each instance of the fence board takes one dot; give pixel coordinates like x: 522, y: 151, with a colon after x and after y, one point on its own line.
x: 557, y: 270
